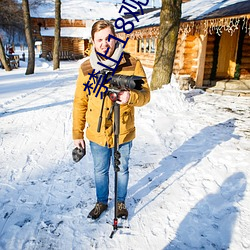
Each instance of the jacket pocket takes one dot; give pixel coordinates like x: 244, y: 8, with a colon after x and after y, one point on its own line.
x: 127, y: 120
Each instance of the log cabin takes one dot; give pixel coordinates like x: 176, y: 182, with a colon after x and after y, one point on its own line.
x: 77, y: 18
x: 74, y: 37
x: 213, y: 41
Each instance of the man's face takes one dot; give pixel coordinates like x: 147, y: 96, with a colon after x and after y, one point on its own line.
x: 101, y: 42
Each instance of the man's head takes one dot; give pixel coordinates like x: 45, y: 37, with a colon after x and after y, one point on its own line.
x: 100, y: 33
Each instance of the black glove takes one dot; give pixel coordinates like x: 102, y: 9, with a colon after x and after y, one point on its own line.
x: 78, y: 153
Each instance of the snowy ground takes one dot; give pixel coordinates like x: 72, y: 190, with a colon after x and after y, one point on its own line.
x: 189, y: 170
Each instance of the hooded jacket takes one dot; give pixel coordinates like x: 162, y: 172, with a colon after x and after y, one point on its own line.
x: 87, y: 107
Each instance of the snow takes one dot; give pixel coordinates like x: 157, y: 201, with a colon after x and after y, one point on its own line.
x: 192, y: 10
x: 78, y: 9
x: 189, y: 169
x: 85, y: 9
x: 196, y: 9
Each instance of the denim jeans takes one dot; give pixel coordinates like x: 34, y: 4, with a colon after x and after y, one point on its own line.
x: 102, y: 157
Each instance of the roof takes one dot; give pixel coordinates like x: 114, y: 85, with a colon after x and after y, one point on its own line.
x: 149, y: 19
x: 79, y: 32
x: 193, y: 10
x: 196, y: 10
x: 78, y: 9
x: 209, y: 9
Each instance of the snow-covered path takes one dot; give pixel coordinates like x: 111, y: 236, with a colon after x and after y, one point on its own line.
x: 189, y: 170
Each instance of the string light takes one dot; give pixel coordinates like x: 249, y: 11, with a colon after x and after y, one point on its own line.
x: 218, y: 25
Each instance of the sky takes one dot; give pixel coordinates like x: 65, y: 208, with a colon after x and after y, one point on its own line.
x: 189, y: 169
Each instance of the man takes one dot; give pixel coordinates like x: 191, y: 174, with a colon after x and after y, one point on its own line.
x: 87, y: 107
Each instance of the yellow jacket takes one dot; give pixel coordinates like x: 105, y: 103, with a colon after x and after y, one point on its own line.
x: 87, y: 107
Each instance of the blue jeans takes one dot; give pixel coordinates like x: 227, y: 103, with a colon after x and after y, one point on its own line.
x: 102, y: 157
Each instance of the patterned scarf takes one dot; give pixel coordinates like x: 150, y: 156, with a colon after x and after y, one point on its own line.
x: 94, y: 58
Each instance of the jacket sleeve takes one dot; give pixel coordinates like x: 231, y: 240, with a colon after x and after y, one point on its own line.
x: 80, y: 106
x: 141, y: 97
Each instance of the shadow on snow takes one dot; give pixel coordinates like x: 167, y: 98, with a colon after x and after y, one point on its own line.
x: 210, y: 223
x: 189, y: 155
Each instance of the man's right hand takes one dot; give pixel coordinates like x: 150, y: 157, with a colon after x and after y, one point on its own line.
x: 79, y: 143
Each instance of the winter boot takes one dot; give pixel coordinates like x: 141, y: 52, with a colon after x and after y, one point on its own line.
x: 97, y: 210
x: 122, y: 211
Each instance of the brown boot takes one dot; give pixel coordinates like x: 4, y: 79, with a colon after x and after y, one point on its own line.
x: 97, y: 210
x: 122, y: 211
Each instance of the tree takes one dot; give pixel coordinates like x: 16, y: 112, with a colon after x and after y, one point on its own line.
x: 56, y: 59
x: 10, y: 24
x: 3, y: 57
x: 11, y: 19
x: 168, y: 34
x: 28, y: 33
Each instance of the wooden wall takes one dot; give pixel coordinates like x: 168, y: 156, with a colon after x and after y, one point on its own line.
x: 73, y: 45
x: 186, y: 56
x: 212, y: 57
x: 134, y: 47
x: 209, y: 59
x: 178, y: 61
x: 50, y: 22
x: 245, y: 60
x: 76, y: 46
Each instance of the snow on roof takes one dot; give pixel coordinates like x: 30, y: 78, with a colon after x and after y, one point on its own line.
x: 78, y: 9
x: 149, y: 19
x: 91, y: 10
x: 206, y: 9
x: 197, y: 10
x: 79, y: 32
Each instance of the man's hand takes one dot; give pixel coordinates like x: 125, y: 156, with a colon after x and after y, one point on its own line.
x: 79, y: 143
x: 79, y: 151
x: 123, y: 97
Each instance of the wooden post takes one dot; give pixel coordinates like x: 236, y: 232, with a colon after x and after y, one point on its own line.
x: 201, y: 60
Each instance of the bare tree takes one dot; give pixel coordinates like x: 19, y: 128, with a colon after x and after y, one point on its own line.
x: 28, y: 33
x: 11, y: 24
x: 56, y: 59
x: 11, y: 16
x: 168, y: 34
x: 3, y: 57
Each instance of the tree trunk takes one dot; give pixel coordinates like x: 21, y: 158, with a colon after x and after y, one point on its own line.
x: 3, y: 57
x: 56, y: 59
x: 168, y: 34
x: 28, y: 33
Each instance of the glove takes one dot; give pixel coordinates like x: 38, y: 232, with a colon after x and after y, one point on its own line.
x: 78, y: 153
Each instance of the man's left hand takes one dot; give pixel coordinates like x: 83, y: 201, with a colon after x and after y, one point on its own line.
x: 123, y: 97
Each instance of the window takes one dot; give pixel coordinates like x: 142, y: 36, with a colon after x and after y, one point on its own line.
x: 146, y: 45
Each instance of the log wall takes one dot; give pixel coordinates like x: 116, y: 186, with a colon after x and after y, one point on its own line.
x: 245, y: 60
x: 50, y: 22
x: 186, y: 56
x: 146, y: 57
x: 74, y: 45
x: 209, y: 57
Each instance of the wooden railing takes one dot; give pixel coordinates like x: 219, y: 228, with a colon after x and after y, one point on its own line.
x: 64, y: 55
